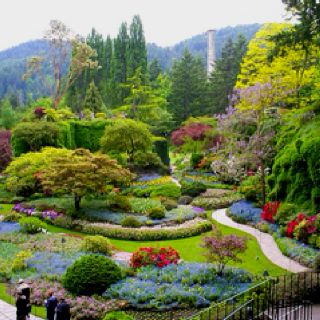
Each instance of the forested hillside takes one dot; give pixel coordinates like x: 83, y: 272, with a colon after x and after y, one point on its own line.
x: 13, y: 60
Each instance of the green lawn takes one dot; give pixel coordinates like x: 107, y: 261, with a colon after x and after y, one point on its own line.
x: 5, y: 208
x: 36, y: 311
x: 189, y: 248
x: 253, y: 259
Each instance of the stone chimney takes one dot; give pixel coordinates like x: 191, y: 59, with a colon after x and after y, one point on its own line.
x: 211, y: 50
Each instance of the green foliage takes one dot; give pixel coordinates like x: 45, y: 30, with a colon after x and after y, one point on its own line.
x: 316, y: 265
x: 128, y: 136
x: 148, y: 234
x: 170, y: 190
x: 93, y: 100
x: 31, y: 225
x: 82, y: 173
x: 19, y: 261
x: 295, y: 172
x: 143, y: 205
x: 185, y: 200
x: 131, y: 222
x: 195, y: 159
x: 91, y: 274
x: 251, y: 188
x: 193, y: 189
x: 11, y: 216
x: 169, y: 204
x: 32, y: 136
x: 118, y: 315
x: 147, y: 160
x: 8, y: 116
x: 156, y: 213
x: 117, y: 202
x: 87, y: 134
x: 23, y: 172
x: 161, y: 147
x: 285, y: 213
x: 97, y: 244
x: 189, y: 87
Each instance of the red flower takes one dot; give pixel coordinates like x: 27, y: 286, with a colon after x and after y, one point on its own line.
x: 269, y: 210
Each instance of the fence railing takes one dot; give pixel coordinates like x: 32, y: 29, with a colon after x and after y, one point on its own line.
x: 274, y: 298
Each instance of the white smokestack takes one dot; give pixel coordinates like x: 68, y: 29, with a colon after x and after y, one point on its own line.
x: 211, y: 51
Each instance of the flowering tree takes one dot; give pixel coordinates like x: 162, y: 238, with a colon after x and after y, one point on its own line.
x: 195, y: 131
x: 222, y: 249
x: 61, y: 43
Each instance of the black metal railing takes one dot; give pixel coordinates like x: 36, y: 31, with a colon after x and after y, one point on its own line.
x: 285, y: 297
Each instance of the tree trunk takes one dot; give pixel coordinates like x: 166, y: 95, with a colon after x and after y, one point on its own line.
x: 77, y: 200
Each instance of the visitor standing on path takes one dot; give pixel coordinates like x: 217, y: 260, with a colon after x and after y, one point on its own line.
x: 21, y: 304
x: 24, y: 288
x: 51, y: 305
x: 63, y: 310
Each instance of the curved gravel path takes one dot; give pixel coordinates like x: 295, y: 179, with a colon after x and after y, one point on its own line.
x: 265, y: 240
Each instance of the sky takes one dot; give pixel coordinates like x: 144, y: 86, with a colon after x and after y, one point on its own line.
x: 165, y: 22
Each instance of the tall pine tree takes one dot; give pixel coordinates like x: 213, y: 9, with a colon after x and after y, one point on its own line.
x: 189, y: 94
x: 224, y: 75
x: 93, y: 100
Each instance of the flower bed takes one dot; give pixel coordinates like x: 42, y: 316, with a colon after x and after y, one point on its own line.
x: 175, y: 216
x: 8, y: 227
x: 216, y: 202
x: 189, y: 229
x: 183, y: 285
x: 159, y: 257
x: 244, y: 211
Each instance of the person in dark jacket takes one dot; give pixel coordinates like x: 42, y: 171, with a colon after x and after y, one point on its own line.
x: 63, y: 310
x: 51, y: 305
x: 21, y: 304
x: 26, y: 291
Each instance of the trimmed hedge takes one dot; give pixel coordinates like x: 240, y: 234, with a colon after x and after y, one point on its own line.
x: 147, y: 234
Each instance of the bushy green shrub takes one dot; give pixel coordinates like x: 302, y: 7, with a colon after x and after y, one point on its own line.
x: 97, y: 244
x: 285, y: 212
x: 192, y: 189
x: 147, y: 160
x: 32, y: 136
x: 195, y: 159
x: 91, y: 274
x: 251, y: 188
x: 185, y: 200
x: 131, y: 222
x: 63, y: 222
x: 147, y: 234
x: 117, y: 202
x: 31, y: 225
x: 156, y: 213
x: 118, y: 315
x: 170, y: 190
x: 12, y: 216
x: 169, y: 204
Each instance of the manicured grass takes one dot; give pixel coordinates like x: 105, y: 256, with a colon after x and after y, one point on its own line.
x: 253, y: 259
x: 36, y: 311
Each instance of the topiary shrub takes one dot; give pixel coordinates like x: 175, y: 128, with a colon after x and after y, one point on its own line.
x: 97, y: 244
x: 161, y: 147
x: 147, y: 160
x: 91, y: 274
x: 31, y: 225
x: 192, y: 189
x: 195, y: 159
x: 156, y: 213
x: 118, y: 315
x: 131, y: 222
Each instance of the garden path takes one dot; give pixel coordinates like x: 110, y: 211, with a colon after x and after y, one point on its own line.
x: 122, y: 256
x: 8, y: 312
x: 265, y: 240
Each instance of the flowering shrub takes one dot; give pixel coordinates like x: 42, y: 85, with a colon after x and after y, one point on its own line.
x: 192, y: 284
x: 269, y: 210
x: 302, y: 227
x: 159, y: 257
x: 5, y: 149
x: 195, y: 131
x: 31, y: 211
